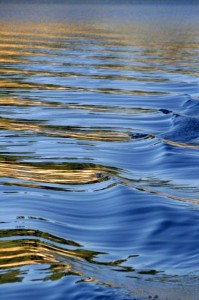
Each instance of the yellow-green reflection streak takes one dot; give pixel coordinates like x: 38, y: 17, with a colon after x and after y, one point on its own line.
x: 37, y: 247
x: 155, y: 186
x: 14, y: 71
x: 67, y: 132
x: 7, y: 101
x: 69, y: 173
x: 11, y: 60
x: 28, y: 251
x: 21, y: 53
x: 8, y: 84
x: 25, y: 85
x: 182, y: 145
x: 20, y: 102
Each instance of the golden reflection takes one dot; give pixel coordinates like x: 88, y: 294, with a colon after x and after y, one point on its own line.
x: 20, y: 102
x: 32, y: 39
x: 183, y: 145
x: 138, y: 36
x: 56, y: 31
x: 14, y: 253
x: 98, y: 135
x: 52, y: 174
x: 22, y: 46
x: 26, y: 85
x: 33, y: 250
x: 15, y: 71
x: 19, y: 53
x: 60, y: 261
x: 29, y: 73
x: 154, y: 186
x: 14, y: 125
x: 11, y: 60
x: 167, y: 195
x: 6, y: 101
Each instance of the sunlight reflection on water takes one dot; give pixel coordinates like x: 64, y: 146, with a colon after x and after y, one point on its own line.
x: 99, y: 151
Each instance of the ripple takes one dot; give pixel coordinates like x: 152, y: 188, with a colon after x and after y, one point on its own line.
x: 99, y: 152
x: 25, y: 251
x: 185, y: 125
x: 58, y: 131
x: 71, y: 173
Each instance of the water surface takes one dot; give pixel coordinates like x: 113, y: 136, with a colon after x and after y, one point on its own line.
x: 99, y: 150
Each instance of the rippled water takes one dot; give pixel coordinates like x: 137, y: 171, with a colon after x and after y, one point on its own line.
x: 99, y: 132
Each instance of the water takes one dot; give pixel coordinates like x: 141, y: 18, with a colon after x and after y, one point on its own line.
x: 99, y: 154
